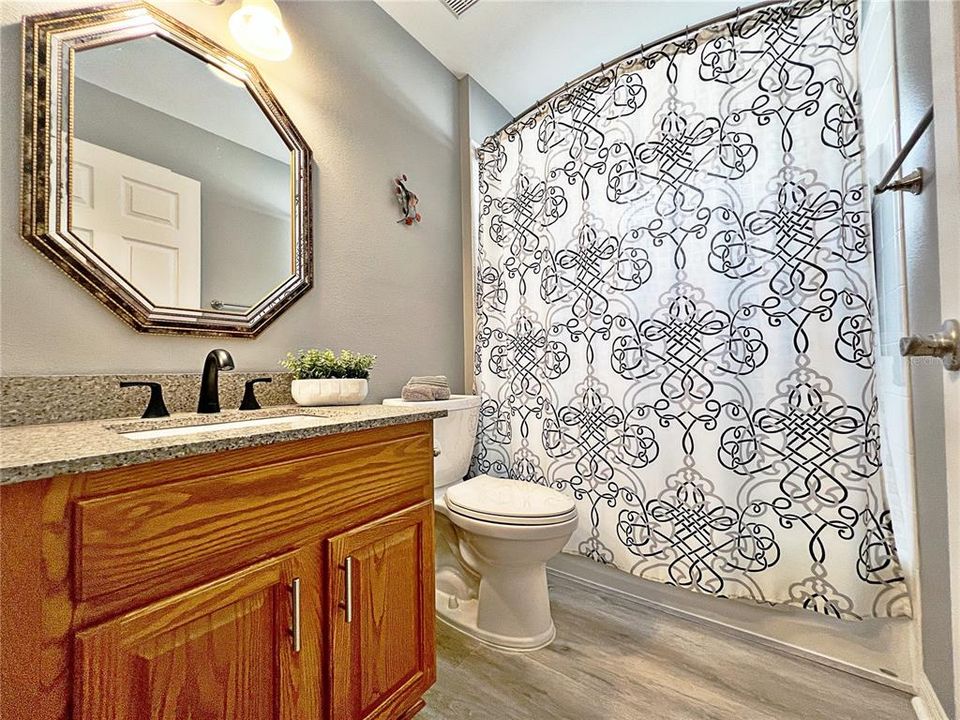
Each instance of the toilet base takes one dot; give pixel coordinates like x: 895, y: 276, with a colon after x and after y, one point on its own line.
x: 463, y: 617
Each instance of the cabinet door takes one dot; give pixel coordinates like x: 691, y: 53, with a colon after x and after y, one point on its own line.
x: 222, y: 651
x: 381, y: 616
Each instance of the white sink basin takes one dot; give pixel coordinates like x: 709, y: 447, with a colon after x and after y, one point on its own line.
x: 289, y: 421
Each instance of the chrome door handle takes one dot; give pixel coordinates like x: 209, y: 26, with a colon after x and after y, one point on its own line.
x: 348, y: 594
x: 295, y: 614
x: 944, y: 344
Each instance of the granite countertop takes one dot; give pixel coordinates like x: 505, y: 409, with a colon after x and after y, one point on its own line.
x: 33, y: 452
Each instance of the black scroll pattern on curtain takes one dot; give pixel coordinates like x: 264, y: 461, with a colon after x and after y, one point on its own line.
x: 675, y: 315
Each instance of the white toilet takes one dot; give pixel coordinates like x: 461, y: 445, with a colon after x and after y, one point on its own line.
x: 494, y: 537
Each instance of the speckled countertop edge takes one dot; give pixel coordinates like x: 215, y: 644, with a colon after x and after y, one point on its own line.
x: 35, y: 452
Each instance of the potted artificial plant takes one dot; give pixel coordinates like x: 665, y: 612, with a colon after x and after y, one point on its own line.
x: 324, y: 378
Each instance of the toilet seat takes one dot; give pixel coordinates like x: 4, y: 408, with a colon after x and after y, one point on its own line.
x: 509, y: 502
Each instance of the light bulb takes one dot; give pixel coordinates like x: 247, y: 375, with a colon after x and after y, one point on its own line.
x: 258, y: 27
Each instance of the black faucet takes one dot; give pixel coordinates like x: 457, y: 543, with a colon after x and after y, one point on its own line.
x: 216, y: 361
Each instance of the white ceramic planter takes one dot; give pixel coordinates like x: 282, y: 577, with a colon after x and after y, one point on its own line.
x: 334, y: 391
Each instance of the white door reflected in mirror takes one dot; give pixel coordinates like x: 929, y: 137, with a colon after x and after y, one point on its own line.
x: 142, y: 219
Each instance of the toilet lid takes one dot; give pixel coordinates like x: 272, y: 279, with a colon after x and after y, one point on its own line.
x: 509, y: 501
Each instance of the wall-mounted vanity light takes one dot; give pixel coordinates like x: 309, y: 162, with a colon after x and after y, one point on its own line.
x: 258, y: 27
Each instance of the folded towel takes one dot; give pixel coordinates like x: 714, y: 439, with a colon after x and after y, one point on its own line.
x: 433, y: 380
x: 426, y: 388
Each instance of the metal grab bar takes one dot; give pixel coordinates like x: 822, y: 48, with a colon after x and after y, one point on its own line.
x: 914, y: 181
x: 221, y: 305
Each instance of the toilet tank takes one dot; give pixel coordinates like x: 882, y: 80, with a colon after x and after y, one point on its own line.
x: 453, y: 435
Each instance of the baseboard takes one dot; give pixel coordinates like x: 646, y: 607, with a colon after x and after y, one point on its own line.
x: 569, y: 575
x: 926, y: 704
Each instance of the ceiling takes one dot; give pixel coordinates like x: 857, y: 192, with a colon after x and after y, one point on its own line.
x: 521, y: 50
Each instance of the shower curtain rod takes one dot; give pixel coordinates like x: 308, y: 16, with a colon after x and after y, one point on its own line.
x: 640, y: 50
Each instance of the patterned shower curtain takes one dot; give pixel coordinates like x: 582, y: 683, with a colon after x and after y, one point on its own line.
x: 675, y: 315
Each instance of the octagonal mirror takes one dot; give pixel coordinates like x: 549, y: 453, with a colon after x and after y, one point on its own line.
x: 161, y: 173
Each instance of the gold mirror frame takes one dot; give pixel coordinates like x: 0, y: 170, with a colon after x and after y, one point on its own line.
x: 49, y: 43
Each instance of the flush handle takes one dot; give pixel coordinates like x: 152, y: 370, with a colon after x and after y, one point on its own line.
x: 944, y: 344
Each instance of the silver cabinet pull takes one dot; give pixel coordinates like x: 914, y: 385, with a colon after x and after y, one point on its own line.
x: 295, y: 613
x: 348, y: 594
x: 944, y: 344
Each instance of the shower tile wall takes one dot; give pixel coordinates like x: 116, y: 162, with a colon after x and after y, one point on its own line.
x: 882, y: 139
x: 897, y: 91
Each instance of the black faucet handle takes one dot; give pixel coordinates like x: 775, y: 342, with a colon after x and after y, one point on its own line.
x: 249, y: 401
x: 156, y: 408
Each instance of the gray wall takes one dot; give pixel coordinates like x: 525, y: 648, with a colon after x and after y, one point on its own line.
x: 487, y: 115
x: 372, y: 103
x: 480, y: 115
x: 244, y: 195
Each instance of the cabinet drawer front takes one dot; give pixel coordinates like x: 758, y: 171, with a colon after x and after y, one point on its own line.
x: 167, y: 537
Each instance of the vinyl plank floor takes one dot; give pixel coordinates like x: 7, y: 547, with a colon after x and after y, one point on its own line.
x: 617, y: 660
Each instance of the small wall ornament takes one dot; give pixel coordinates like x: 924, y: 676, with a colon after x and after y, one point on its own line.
x: 408, y: 201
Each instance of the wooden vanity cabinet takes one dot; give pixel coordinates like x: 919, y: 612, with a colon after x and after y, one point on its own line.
x: 216, y: 586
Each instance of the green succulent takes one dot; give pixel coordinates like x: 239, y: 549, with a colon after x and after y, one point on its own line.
x: 317, y: 364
